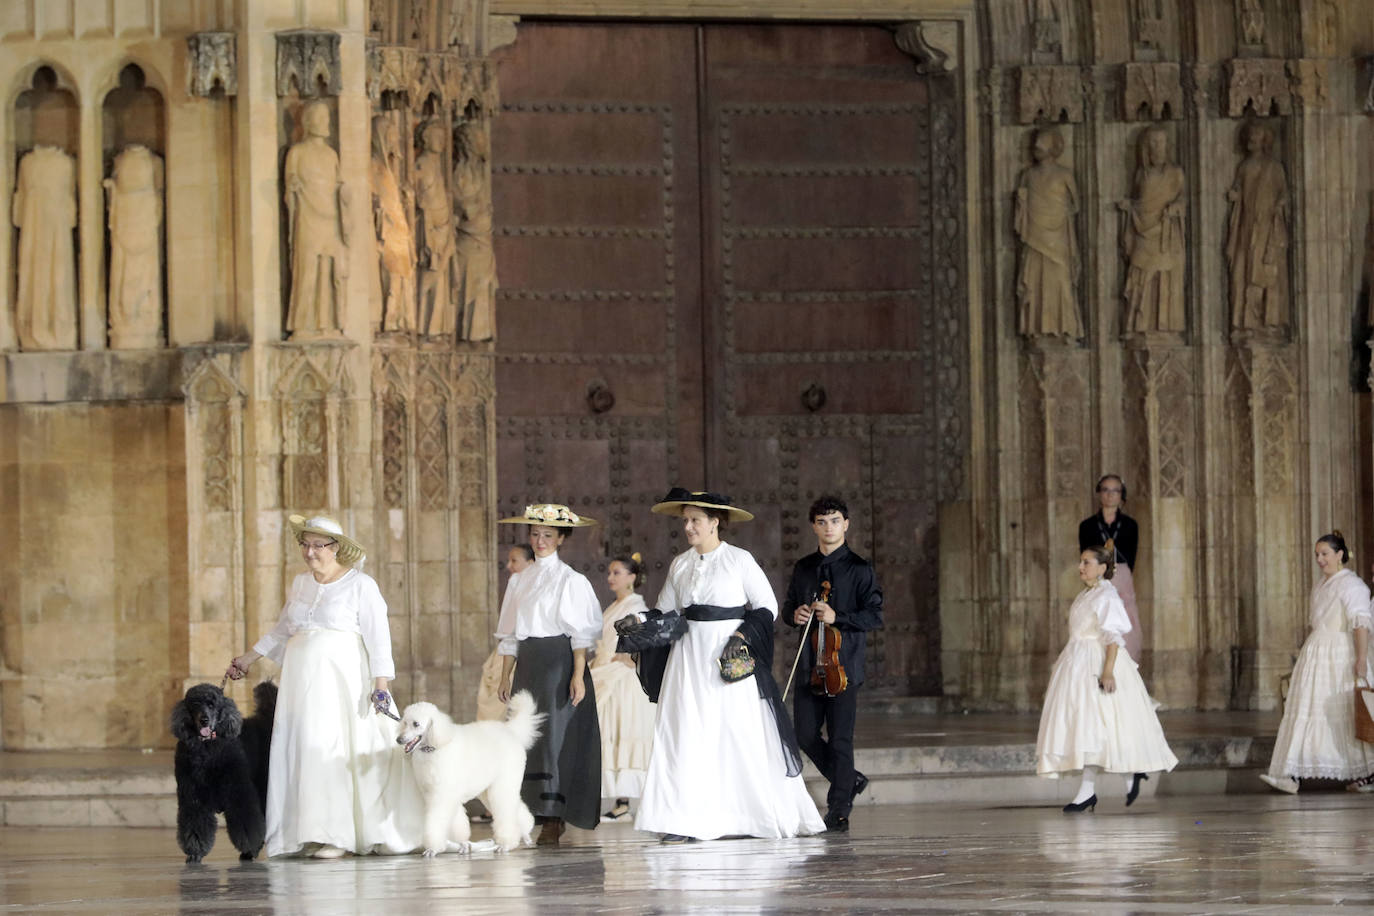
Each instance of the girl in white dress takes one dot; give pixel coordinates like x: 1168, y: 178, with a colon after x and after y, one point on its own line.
x: 725, y: 760
x: 336, y: 782
x: 1098, y: 715
x: 625, y: 713
x: 1317, y: 735
x: 489, y: 705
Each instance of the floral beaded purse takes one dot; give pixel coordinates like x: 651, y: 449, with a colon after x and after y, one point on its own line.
x: 736, y: 662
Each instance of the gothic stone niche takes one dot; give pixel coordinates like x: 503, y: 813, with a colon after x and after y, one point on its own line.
x: 317, y: 229
x: 1047, y: 278
x: 212, y: 63
x: 1257, y: 236
x: 308, y: 60
x: 1257, y: 87
x: 309, y: 405
x: 1050, y: 94
x: 1147, y: 19
x: 1151, y: 92
x: 1046, y: 31
x: 390, y: 68
x: 1153, y: 238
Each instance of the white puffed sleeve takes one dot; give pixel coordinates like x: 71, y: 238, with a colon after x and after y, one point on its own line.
x: 1111, y: 617
x: 372, y: 623
x: 668, y: 599
x: 506, y: 643
x: 756, y: 588
x: 1355, y: 602
x: 579, y: 612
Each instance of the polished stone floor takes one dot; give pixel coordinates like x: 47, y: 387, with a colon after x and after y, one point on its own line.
x: 1310, y: 853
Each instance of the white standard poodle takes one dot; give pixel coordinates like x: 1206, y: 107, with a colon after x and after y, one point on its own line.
x: 454, y: 763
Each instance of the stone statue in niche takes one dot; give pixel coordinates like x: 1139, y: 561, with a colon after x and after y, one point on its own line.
x: 476, y: 259
x: 1153, y: 239
x: 395, y: 306
x: 133, y: 195
x: 317, y: 229
x: 1046, y: 202
x: 438, y: 254
x: 45, y: 212
x: 1257, y: 238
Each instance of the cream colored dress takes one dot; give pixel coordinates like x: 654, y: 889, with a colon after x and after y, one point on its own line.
x: 1080, y: 724
x: 1317, y: 735
x: 627, y: 716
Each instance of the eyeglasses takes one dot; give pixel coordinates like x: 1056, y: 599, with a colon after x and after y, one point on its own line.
x: 308, y: 546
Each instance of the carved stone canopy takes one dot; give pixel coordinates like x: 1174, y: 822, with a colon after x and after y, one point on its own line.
x: 212, y: 60
x: 1258, y: 85
x: 1050, y: 94
x: 310, y: 60
x: 1151, y: 92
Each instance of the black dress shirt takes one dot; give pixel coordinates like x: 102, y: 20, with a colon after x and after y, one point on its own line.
x: 854, y: 594
x: 1093, y: 531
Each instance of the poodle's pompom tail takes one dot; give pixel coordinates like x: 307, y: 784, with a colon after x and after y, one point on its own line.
x: 523, y: 720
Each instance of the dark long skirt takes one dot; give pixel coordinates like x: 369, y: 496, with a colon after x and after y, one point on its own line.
x: 563, y: 769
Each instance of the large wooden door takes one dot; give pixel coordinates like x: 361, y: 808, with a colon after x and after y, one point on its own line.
x: 719, y: 255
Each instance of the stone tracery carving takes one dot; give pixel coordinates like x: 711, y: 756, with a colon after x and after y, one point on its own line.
x: 1257, y: 239
x: 1152, y: 91
x: 134, y: 216
x: 391, y: 203
x: 476, y: 260
x: 1050, y: 94
x: 438, y: 254
x: 212, y: 60
x: 44, y: 210
x: 1251, y: 14
x: 317, y: 227
x: 309, y: 60
x: 1046, y: 30
x: 1154, y: 240
x: 1258, y: 85
x: 1046, y: 204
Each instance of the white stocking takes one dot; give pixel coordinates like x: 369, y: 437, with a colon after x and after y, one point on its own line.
x: 1087, y: 787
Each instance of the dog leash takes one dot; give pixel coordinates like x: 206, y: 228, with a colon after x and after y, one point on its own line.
x: 380, y: 697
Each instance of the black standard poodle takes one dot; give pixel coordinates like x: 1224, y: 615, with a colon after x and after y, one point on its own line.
x: 218, y: 755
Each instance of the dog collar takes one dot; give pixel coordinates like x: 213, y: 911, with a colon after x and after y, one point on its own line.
x: 426, y: 748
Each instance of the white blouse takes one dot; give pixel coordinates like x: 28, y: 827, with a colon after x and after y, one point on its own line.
x: 1097, y: 613
x: 548, y: 598
x: 728, y: 576
x: 352, y: 603
x: 1340, y: 603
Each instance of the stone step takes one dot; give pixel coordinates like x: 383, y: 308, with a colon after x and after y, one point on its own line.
x: 140, y: 790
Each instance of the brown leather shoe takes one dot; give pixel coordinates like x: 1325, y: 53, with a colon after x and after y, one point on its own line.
x: 553, y: 829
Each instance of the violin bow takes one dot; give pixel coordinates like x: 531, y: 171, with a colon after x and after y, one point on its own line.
x: 801, y: 645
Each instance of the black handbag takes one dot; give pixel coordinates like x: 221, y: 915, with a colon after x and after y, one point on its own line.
x: 656, y: 630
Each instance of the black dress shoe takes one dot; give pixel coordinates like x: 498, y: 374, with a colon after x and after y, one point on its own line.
x: 1089, y: 803
x: 860, y: 783
x: 1135, y: 787
x: 838, y: 823
x: 676, y: 839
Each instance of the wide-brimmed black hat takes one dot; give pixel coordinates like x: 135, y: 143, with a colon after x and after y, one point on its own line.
x: 678, y: 497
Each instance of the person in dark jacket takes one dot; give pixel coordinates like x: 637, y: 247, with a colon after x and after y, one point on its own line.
x: 855, y: 606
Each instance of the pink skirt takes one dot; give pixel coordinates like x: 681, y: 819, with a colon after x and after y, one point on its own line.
x: 1125, y: 587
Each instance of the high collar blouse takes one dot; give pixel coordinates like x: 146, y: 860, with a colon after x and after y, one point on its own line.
x: 728, y: 576
x: 351, y: 603
x: 548, y: 598
x: 1097, y: 613
x: 1340, y: 603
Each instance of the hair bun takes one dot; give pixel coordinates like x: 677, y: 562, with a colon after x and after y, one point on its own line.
x: 636, y: 557
x: 1337, y: 533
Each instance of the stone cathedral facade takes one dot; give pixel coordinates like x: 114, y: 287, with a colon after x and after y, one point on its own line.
x: 252, y: 266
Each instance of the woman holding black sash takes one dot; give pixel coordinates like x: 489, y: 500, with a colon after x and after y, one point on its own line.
x: 725, y: 759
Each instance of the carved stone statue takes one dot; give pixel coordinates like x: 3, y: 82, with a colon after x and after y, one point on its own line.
x: 476, y: 259
x: 1046, y: 201
x: 134, y: 216
x: 395, y: 306
x: 438, y: 253
x: 1154, y: 240
x: 45, y: 212
x: 1252, y: 22
x: 1257, y: 240
x: 317, y: 225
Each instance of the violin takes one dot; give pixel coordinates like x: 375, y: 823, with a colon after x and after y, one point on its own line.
x: 828, y: 678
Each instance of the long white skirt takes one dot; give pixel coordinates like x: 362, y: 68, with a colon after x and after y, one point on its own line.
x: 1082, y: 726
x: 717, y: 767
x: 337, y: 775
x: 1317, y: 735
x: 627, y: 730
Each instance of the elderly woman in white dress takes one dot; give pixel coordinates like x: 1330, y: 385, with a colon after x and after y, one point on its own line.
x: 337, y: 783
x: 549, y: 619
x: 1317, y: 735
x: 1097, y: 715
x: 725, y: 759
x: 625, y: 713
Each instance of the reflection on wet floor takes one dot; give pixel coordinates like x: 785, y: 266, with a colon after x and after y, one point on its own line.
x: 1226, y: 854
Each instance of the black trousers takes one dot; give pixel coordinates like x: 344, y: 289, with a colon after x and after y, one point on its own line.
x: 833, y: 755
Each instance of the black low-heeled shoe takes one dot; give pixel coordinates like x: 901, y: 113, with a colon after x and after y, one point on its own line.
x: 1089, y: 803
x: 1135, y: 787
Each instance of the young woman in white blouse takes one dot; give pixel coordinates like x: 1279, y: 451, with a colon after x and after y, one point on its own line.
x: 336, y: 782
x: 1097, y: 715
x: 725, y: 759
x: 549, y: 619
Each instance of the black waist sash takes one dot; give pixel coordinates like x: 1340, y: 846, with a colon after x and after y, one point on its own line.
x: 756, y: 626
